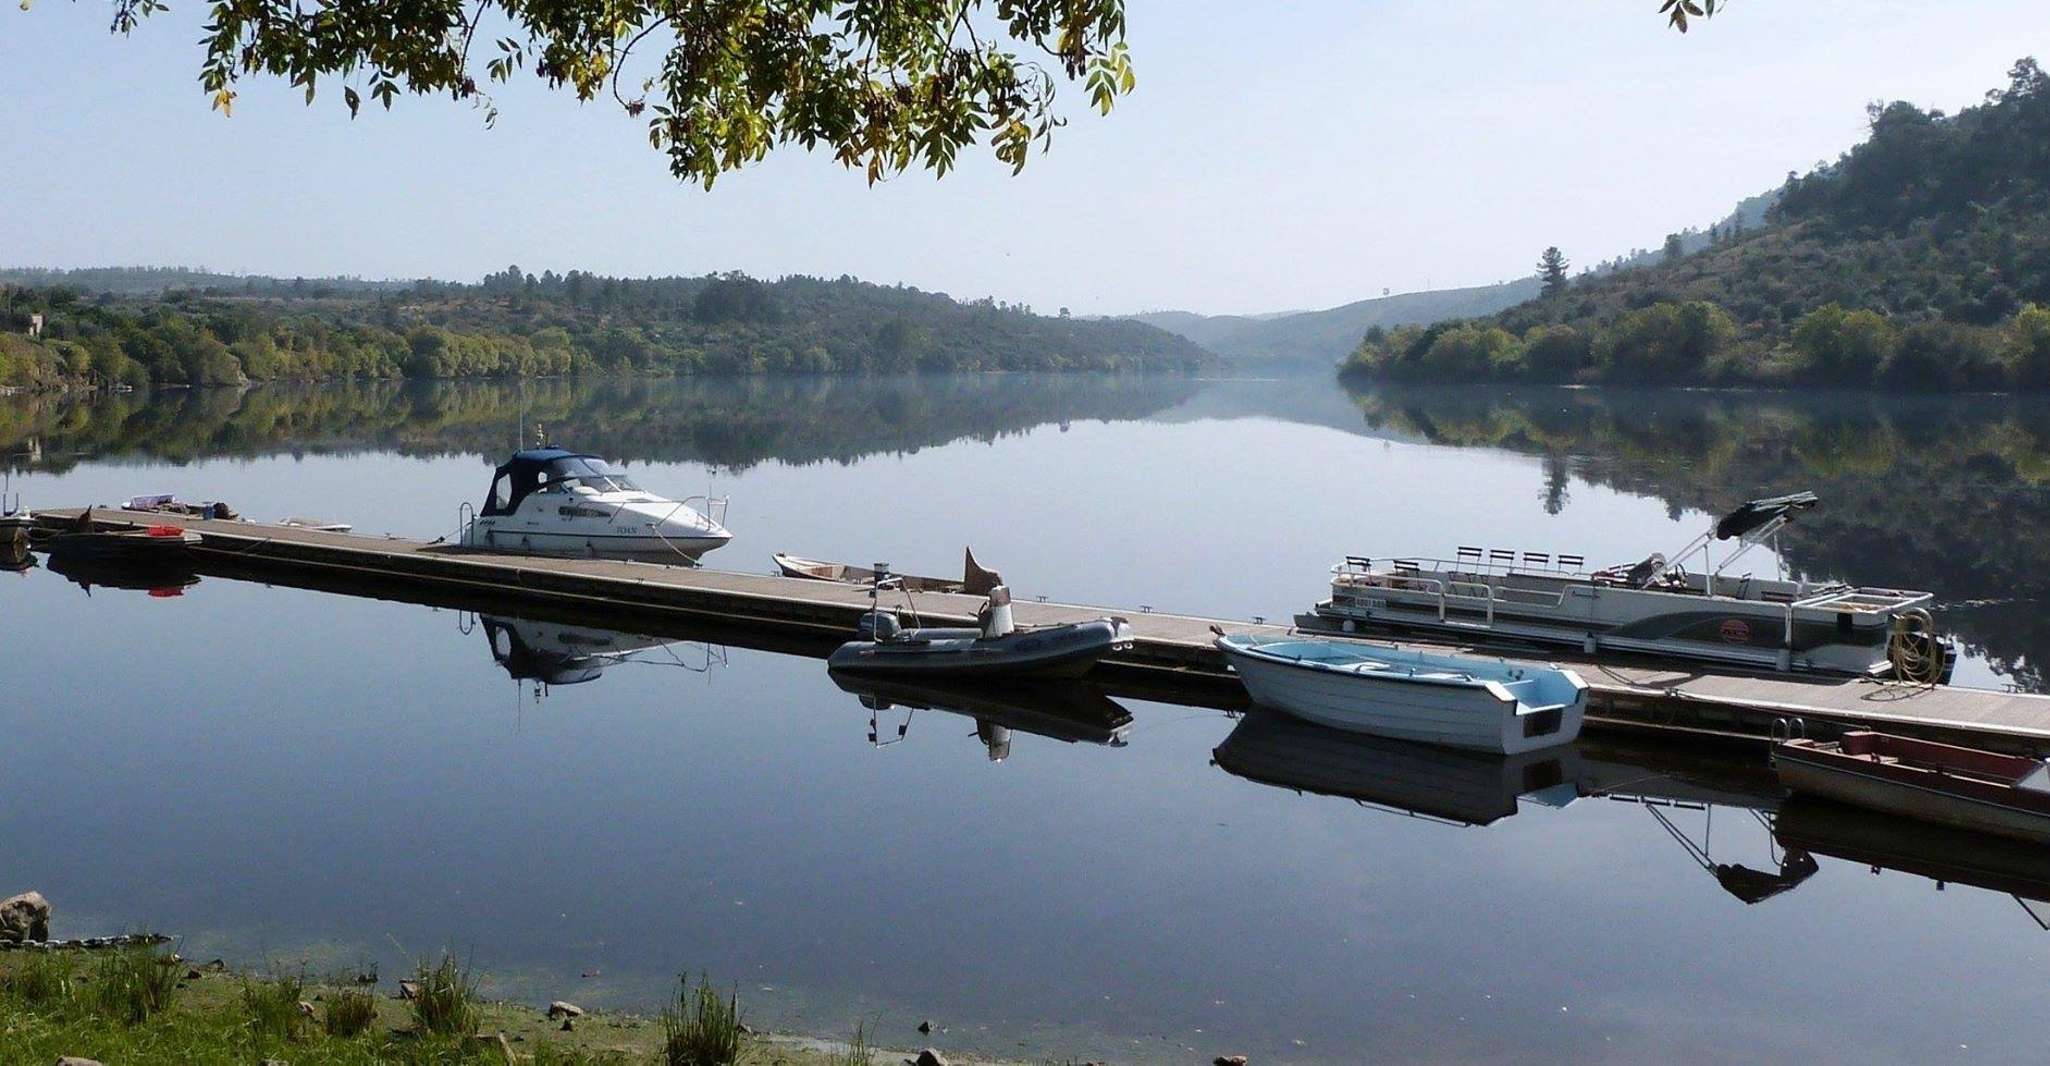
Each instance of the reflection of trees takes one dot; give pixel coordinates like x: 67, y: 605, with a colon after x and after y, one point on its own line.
x: 729, y: 423
x: 1940, y: 493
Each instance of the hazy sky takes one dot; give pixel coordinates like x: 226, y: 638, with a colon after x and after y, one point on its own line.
x: 1276, y: 156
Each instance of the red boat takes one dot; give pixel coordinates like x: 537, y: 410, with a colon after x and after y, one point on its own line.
x: 2008, y: 795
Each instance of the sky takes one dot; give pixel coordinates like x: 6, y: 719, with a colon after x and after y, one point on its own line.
x: 1275, y: 156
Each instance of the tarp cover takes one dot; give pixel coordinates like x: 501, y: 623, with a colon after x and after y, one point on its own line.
x: 1758, y: 512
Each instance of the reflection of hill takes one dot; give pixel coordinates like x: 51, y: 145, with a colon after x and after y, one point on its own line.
x: 1944, y: 494
x: 730, y: 423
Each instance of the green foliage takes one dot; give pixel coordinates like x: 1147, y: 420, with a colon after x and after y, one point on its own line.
x: 40, y: 979
x: 1909, y: 263
x: 515, y: 325
x: 273, y: 1007
x: 132, y: 985
x: 1551, y: 271
x: 445, y: 999
x: 2028, y: 347
x: 882, y: 86
x: 1843, y: 347
x: 704, y: 1027
x: 350, y: 1013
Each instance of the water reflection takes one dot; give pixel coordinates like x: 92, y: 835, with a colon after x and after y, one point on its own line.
x: 1681, y: 792
x: 732, y: 424
x: 554, y: 654
x: 160, y: 579
x: 1073, y: 712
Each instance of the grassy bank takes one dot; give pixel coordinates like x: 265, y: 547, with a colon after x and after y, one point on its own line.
x: 142, y: 1008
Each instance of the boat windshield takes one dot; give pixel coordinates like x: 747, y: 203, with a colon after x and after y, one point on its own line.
x: 582, y: 470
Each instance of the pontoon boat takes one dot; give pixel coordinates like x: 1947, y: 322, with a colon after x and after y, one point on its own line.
x: 1656, y: 607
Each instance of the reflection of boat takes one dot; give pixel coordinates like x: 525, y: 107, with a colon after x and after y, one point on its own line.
x: 1465, y: 702
x: 548, y: 501
x: 1072, y: 712
x: 998, y: 648
x: 556, y: 654
x: 975, y: 580
x: 2007, y: 795
x: 1653, y: 607
x: 160, y: 577
x: 1470, y: 788
x: 1940, y: 853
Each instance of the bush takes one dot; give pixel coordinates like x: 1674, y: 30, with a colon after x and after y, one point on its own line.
x: 703, y: 1029
x: 1556, y: 353
x: 134, y: 985
x: 1937, y: 356
x: 1665, y: 342
x: 445, y: 1002
x: 1844, y: 347
x: 351, y: 1012
x: 42, y: 979
x: 2028, y: 347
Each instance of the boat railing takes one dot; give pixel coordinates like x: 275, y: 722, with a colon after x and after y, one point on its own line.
x: 1865, y: 600
x: 1455, y: 591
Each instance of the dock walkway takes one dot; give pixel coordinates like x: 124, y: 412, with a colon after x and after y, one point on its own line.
x: 1172, y: 657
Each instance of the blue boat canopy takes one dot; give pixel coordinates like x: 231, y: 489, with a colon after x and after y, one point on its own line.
x: 537, y: 469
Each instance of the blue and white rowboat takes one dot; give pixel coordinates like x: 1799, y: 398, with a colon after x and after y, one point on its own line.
x: 1459, y: 701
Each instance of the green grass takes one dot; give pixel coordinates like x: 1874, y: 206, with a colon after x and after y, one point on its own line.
x: 704, y: 1029
x: 273, y: 1006
x: 445, y: 1003
x: 133, y: 985
x: 42, y: 978
x: 50, y: 1007
x: 350, y: 1013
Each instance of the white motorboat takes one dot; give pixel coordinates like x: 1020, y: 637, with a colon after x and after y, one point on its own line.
x: 1656, y: 607
x: 1459, y: 701
x: 550, y: 501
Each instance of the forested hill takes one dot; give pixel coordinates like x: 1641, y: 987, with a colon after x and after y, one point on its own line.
x: 516, y: 324
x: 1919, y: 260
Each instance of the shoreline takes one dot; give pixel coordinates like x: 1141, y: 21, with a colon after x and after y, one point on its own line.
x: 209, y: 1017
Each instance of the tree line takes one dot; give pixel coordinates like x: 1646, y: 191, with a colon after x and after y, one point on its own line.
x: 515, y: 324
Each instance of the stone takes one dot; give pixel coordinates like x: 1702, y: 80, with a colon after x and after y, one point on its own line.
x: 929, y: 1057
x: 925, y: 1026
x: 307, y: 1009
x: 561, y: 1009
x: 25, y: 917
x: 1229, y: 1060
x: 73, y: 1060
x: 193, y: 974
x: 409, y: 989
x: 569, y: 1025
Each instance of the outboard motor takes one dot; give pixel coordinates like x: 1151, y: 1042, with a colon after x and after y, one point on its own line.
x: 996, y: 614
x: 878, y: 626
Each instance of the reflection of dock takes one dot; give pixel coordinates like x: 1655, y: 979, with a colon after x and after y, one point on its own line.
x: 1171, y: 660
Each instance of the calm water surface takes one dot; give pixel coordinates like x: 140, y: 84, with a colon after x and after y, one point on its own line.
x: 285, y: 775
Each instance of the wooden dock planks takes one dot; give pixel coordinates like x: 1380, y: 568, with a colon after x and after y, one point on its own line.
x: 1645, y: 696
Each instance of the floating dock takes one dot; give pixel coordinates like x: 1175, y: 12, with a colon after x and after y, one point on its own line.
x: 1171, y: 660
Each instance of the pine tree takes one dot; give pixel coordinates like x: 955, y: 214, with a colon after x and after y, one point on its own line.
x: 1551, y: 269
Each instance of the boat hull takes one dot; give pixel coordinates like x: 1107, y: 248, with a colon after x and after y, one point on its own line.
x: 591, y: 545
x: 1917, y: 794
x: 1475, y: 716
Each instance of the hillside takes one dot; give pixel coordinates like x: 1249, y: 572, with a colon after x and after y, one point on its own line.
x: 514, y: 324
x: 1321, y: 338
x: 1919, y: 260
